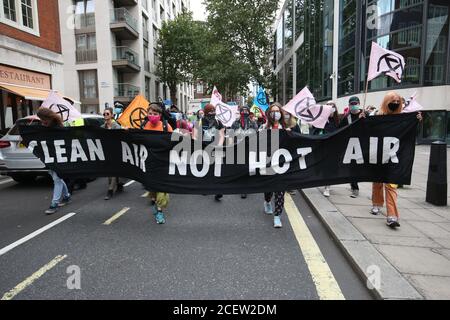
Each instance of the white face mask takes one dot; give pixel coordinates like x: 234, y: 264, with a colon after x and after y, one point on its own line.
x: 276, y: 116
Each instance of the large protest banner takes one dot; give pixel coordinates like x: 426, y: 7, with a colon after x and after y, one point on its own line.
x: 375, y: 149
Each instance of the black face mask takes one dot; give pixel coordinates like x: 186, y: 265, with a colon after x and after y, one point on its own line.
x: 393, y: 106
x: 210, y: 117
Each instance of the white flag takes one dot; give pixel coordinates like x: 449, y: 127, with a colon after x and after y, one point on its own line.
x: 386, y: 62
x: 62, y: 107
x: 412, y: 105
x: 226, y: 114
x: 216, y: 97
x: 304, y: 107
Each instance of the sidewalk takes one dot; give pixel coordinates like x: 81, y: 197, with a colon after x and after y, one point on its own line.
x: 414, y: 260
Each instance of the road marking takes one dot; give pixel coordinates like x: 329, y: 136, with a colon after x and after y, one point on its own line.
x: 145, y: 195
x: 6, y: 181
x: 35, y: 276
x: 129, y: 183
x: 326, y: 285
x: 35, y: 233
x: 116, y: 216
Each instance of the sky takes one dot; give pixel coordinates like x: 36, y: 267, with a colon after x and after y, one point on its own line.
x: 199, y: 10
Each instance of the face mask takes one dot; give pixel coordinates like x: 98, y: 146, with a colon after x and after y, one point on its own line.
x: 393, y: 106
x: 117, y: 111
x: 355, y: 109
x: 276, y: 116
x: 154, y: 119
x: 211, y: 117
x: 245, y: 115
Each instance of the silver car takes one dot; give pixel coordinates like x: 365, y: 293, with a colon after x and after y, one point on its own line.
x: 17, y: 161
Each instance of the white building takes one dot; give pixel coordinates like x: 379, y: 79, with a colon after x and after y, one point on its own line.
x: 109, y: 50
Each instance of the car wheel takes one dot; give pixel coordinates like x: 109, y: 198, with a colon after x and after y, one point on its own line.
x: 23, y: 178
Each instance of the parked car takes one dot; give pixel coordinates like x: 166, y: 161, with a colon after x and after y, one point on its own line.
x: 17, y: 161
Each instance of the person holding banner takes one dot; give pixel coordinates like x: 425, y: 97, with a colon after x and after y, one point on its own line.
x: 355, y: 112
x: 110, y: 124
x: 61, y: 195
x: 208, y: 129
x: 275, y: 121
x: 159, y: 200
x: 392, y: 104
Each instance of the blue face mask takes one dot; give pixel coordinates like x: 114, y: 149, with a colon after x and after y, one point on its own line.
x: 118, y: 111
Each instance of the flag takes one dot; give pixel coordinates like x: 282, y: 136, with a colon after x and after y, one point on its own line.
x: 62, y: 107
x: 412, y: 105
x: 226, y: 114
x: 135, y: 114
x: 216, y: 97
x: 386, y: 62
x: 304, y: 107
x: 261, y: 100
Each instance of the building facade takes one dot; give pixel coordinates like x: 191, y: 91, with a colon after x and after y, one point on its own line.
x: 109, y: 50
x: 325, y: 44
x: 31, y: 63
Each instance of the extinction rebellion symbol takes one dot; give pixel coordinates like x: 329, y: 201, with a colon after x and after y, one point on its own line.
x: 223, y: 113
x: 391, y: 63
x: 62, y: 110
x: 303, y: 109
x: 261, y: 99
x: 138, y: 117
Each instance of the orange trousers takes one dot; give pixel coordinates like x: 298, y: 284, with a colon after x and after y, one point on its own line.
x: 391, y: 198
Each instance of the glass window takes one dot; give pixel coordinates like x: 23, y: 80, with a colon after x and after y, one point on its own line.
x: 84, y: 6
x: 289, y: 80
x: 280, y: 79
x: 434, y: 125
x: 9, y: 9
x: 88, y: 84
x: 299, y: 17
x: 280, y: 41
x: 347, y: 55
x: 436, y: 42
x: 86, y: 41
x: 288, y: 27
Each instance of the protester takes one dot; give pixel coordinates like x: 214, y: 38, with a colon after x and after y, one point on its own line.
x: 275, y: 121
x: 208, y: 129
x: 114, y: 183
x: 331, y: 126
x: 159, y: 200
x: 371, y: 110
x: 392, y: 104
x: 118, y: 110
x: 61, y: 195
x: 355, y: 112
x: 243, y: 127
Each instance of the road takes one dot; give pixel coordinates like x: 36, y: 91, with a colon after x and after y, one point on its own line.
x: 207, y: 250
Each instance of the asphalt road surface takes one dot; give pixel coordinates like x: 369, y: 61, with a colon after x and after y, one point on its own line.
x: 96, y: 249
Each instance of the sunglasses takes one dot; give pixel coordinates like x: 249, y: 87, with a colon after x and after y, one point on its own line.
x: 106, y: 114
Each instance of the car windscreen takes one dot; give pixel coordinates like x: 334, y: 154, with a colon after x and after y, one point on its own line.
x: 97, y: 122
x: 15, y: 129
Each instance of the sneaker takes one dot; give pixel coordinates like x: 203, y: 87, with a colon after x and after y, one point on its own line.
x: 218, y: 197
x: 243, y: 196
x: 154, y: 208
x: 392, y: 222
x: 51, y: 210
x: 65, y: 201
x: 277, y: 222
x: 109, y: 195
x: 160, y: 218
x: 326, y: 193
x: 375, y: 211
x: 120, y: 187
x: 355, y: 194
x: 268, y: 208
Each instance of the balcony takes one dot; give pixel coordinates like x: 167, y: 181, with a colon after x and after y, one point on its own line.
x: 123, y: 24
x: 86, y: 55
x: 125, y: 92
x: 126, y: 3
x: 125, y: 60
x: 85, y: 23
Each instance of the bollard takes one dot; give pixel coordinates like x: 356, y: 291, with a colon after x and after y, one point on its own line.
x: 437, y: 174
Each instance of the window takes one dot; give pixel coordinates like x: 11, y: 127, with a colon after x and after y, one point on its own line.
x: 84, y: 13
x: 84, y: 6
x: 147, y: 88
x: 9, y: 9
x: 20, y: 14
x: 88, y: 84
x: 288, y: 27
x: 86, y: 48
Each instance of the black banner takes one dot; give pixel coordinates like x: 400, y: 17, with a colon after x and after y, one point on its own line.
x: 376, y: 149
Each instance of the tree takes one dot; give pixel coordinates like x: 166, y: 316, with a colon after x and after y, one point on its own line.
x: 245, y: 27
x: 177, y: 50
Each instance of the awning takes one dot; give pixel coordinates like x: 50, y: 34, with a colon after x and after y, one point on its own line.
x: 30, y: 93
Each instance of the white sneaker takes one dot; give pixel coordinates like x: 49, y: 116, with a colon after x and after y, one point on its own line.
x: 268, y: 208
x: 277, y: 222
x: 326, y: 193
x: 375, y: 211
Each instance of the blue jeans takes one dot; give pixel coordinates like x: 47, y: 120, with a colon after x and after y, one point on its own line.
x: 59, y: 189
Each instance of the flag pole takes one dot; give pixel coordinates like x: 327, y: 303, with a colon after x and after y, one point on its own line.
x: 365, y: 93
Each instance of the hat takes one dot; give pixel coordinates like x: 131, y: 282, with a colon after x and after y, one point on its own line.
x: 354, y: 100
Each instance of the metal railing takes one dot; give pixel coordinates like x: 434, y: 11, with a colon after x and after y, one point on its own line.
x: 84, y: 20
x: 126, y: 90
x: 86, y: 55
x: 126, y: 53
x: 119, y: 15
